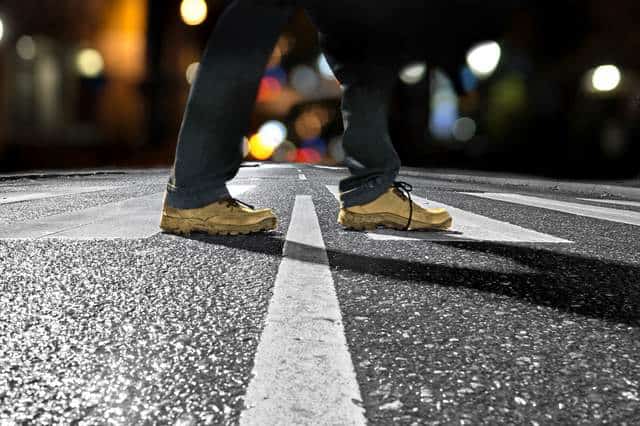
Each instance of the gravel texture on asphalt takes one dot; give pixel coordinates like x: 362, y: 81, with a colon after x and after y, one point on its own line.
x: 487, y: 333
x: 124, y: 187
x: 164, y: 330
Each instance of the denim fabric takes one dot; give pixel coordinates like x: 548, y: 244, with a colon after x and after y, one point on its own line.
x: 209, y: 151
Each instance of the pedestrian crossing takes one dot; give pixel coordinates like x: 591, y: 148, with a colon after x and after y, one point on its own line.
x: 138, y: 218
x: 134, y: 218
x: 586, y: 210
x: 19, y: 197
x: 467, y: 226
x: 615, y: 202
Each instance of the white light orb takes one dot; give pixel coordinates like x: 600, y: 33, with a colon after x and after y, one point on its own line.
x: 89, y: 63
x: 483, y: 59
x: 273, y: 133
x: 193, y: 12
x: 26, y: 48
x: 192, y: 72
x: 413, y: 73
x: 606, y: 78
x: 1, y: 29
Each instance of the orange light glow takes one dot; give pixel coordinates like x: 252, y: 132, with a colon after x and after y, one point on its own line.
x: 308, y: 125
x: 259, y: 149
x: 270, y: 88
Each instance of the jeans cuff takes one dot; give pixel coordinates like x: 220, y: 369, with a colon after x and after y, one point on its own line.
x: 367, y: 192
x: 193, y: 198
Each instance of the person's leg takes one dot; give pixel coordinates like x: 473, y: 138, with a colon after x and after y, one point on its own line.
x: 370, y: 155
x: 367, y: 69
x: 370, y: 197
x: 209, y: 151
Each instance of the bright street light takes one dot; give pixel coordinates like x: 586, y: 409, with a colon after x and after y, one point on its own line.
x: 483, y: 59
x: 89, y: 63
x: 193, y: 12
x: 606, y: 78
x: 413, y: 73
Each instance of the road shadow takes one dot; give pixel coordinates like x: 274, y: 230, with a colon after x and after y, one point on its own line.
x: 595, y: 288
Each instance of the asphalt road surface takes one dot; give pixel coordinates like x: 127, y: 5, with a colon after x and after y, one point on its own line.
x: 527, y: 312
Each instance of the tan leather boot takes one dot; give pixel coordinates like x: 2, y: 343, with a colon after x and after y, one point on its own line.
x: 395, y: 210
x: 225, y: 217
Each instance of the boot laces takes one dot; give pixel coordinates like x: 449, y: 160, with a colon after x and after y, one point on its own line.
x: 234, y: 202
x: 404, y: 190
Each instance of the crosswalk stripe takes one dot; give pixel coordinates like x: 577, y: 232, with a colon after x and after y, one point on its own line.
x: 303, y: 373
x: 604, y: 213
x: 129, y: 219
x: 466, y: 226
x: 18, y: 197
x: 616, y: 202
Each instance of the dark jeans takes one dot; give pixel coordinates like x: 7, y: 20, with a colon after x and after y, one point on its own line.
x: 209, y: 150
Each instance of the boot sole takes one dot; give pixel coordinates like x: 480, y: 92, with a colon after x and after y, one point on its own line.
x: 361, y: 222
x: 181, y: 226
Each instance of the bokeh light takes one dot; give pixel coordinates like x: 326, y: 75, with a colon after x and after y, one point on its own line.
x: 444, y: 107
x: 89, y: 63
x: 483, y: 59
x: 259, y: 149
x: 26, y: 48
x: 245, y: 147
x: 273, y: 133
x: 1, y: 29
x: 304, y: 79
x: 270, y: 88
x: 308, y: 155
x: 308, y: 125
x: 413, y: 73
x: 193, y: 12
x: 464, y: 129
x: 285, y: 153
x: 192, y: 72
x: 606, y: 78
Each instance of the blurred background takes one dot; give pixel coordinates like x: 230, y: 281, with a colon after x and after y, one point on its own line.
x: 103, y: 83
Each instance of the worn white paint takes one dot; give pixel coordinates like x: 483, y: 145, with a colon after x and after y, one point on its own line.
x: 303, y: 373
x: 604, y: 213
x: 134, y: 218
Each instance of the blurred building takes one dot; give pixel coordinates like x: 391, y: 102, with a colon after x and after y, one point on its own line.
x: 103, y: 83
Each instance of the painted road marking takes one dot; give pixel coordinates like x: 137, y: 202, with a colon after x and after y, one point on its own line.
x: 467, y: 226
x: 616, y: 202
x: 134, y: 218
x: 604, y: 213
x: 303, y: 373
x: 329, y: 167
x: 302, y: 177
x: 18, y: 197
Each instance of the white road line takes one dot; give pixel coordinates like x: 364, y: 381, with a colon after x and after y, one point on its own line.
x: 329, y: 167
x: 269, y: 166
x: 466, y: 226
x: 303, y: 373
x: 604, y: 213
x: 302, y: 177
x: 616, y: 202
x: 18, y: 197
x: 129, y: 219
